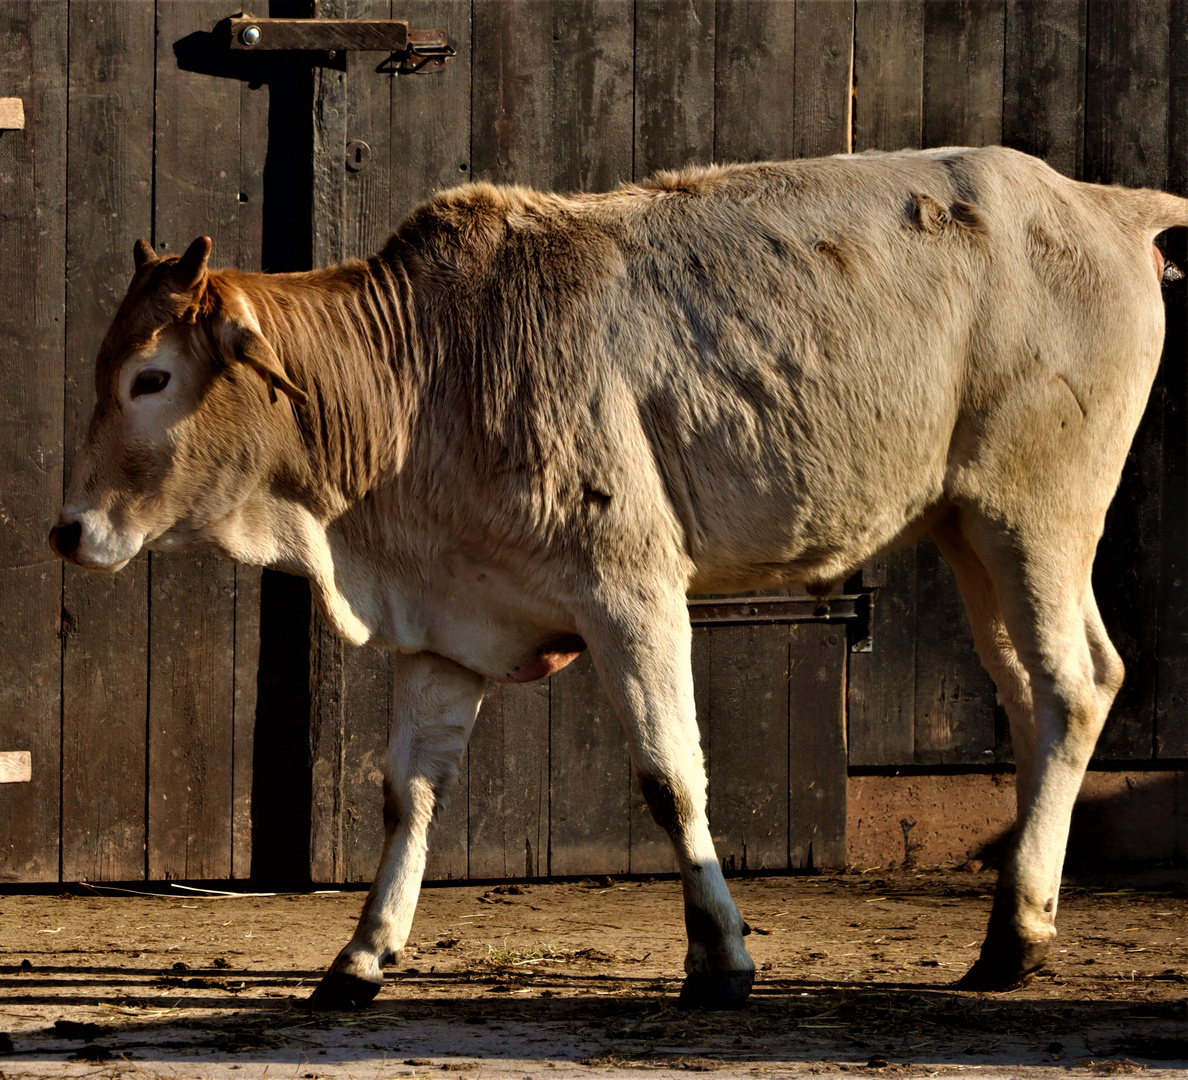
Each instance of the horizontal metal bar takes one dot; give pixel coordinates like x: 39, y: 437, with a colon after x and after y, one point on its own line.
x: 771, y: 609
x: 328, y: 35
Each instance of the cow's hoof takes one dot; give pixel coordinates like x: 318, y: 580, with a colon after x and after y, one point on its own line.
x: 341, y: 990
x: 716, y: 989
x: 1005, y: 968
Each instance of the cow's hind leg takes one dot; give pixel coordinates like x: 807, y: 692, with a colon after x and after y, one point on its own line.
x: 436, y: 702
x: 1043, y: 631
x: 647, y: 672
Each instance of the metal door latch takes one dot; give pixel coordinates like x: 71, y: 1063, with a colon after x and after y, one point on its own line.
x: 418, y: 52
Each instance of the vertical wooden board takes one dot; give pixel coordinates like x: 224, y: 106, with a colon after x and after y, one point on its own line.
x: 512, y: 92
x: 509, y: 783
x: 674, y: 84
x: 32, y: 245
x: 755, y: 80
x: 430, y: 129
x: 888, y: 74
x: 748, y: 745
x: 817, y: 774
x: 954, y: 696
x: 202, y: 164
x: 963, y: 58
x: 593, y: 94
x: 881, y: 683
x: 590, y: 781
x: 325, y: 752
x: 824, y: 54
x: 105, y: 646
x: 1044, y: 81
x: 1171, y: 705
x: 247, y: 666
x: 369, y: 118
x: 366, y: 712
x: 1126, y: 142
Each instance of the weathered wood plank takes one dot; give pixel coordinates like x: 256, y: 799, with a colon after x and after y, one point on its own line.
x: 513, y: 93
x: 1126, y: 142
x: 674, y: 84
x: 593, y: 94
x: 755, y: 80
x: 202, y: 165
x: 509, y: 783
x: 822, y: 99
x: 888, y: 74
x: 105, y: 652
x: 882, y: 684
x: 33, y: 238
x: 955, y: 698
x: 1044, y: 81
x: 591, y: 787
x: 747, y: 738
x: 817, y: 774
x: 963, y: 63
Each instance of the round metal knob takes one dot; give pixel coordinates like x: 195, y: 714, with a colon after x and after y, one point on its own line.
x: 250, y: 35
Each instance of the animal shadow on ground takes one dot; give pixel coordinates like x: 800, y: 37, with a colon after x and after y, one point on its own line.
x: 474, y: 1015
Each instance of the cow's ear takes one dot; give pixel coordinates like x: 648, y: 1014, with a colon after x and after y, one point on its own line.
x: 190, y: 269
x: 143, y: 253
x: 248, y: 346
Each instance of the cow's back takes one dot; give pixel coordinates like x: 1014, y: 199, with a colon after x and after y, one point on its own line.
x: 792, y: 364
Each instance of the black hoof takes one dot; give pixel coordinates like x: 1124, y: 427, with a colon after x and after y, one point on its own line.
x: 716, y: 989
x: 1005, y: 968
x: 339, y: 990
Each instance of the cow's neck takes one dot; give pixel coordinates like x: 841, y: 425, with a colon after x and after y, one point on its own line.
x: 342, y: 336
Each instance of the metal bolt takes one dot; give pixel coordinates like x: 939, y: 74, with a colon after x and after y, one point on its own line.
x: 250, y: 35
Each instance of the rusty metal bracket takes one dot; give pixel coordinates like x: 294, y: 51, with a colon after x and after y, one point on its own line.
x: 414, y: 51
x: 713, y: 611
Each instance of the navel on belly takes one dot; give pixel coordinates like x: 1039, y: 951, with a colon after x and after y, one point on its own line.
x: 553, y: 657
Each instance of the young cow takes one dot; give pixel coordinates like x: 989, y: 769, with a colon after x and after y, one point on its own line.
x: 534, y: 423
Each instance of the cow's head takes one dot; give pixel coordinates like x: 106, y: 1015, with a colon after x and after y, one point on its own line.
x: 182, y: 420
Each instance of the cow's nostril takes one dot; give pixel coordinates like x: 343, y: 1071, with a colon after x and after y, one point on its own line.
x: 64, y: 539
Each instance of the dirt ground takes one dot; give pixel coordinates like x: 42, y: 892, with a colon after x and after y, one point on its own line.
x: 579, y: 979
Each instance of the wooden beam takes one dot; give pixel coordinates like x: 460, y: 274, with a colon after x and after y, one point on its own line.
x: 12, y: 114
x: 16, y: 766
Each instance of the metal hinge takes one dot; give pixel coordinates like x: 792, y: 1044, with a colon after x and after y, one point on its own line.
x: 417, y: 52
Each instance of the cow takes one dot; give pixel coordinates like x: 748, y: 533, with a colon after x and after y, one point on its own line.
x: 534, y: 423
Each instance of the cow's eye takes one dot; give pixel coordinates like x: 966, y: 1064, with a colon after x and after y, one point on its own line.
x: 150, y: 381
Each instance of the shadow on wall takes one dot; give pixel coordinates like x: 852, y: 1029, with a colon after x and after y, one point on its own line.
x: 1122, y: 819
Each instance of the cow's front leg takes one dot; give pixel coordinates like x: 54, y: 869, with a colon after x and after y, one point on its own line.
x: 435, y: 705
x: 646, y: 669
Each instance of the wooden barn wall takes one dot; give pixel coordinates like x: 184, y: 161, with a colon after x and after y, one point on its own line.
x: 158, y: 702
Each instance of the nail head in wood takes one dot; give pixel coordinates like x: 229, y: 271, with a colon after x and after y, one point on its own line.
x: 12, y: 114
x: 16, y: 766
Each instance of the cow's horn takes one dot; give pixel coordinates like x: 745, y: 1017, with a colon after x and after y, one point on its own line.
x: 188, y: 270
x: 143, y: 253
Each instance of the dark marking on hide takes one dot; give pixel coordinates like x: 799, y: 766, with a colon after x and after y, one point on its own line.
x: 1061, y: 379
x: 833, y: 253
x: 701, y: 928
x: 927, y: 215
x: 1049, y: 906
x: 778, y: 248
x: 594, y: 497
x: 670, y: 810
x: 391, y: 809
